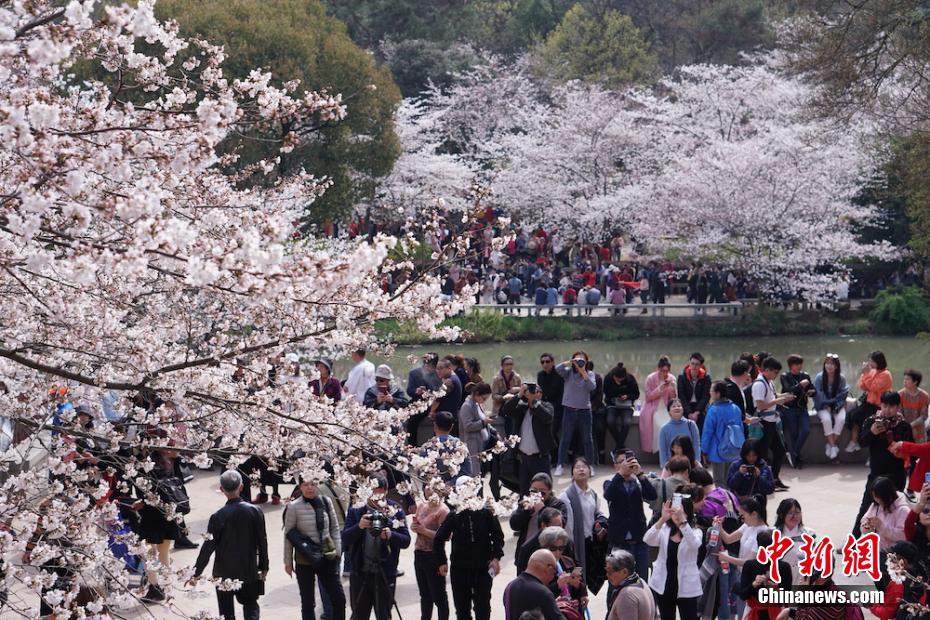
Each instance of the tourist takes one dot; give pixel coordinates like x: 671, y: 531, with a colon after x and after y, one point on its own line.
x: 505, y: 384
x: 752, y: 512
x: 236, y: 532
x: 523, y: 519
x: 683, y: 446
x: 444, y: 444
x: 740, y: 378
x: 879, y: 435
x: 677, y: 426
x: 375, y: 552
x: 545, y: 519
x: 312, y: 516
x: 874, y: 380
x: 458, y: 367
x: 830, y: 392
x: 473, y: 366
x: 384, y: 395
x: 723, y: 437
x: 576, y: 407
x: 583, y: 512
x: 514, y: 291
x: 887, y: 513
x: 632, y: 598
x: 675, y: 579
x: 754, y: 576
x: 473, y: 425
x: 477, y: 548
x: 592, y: 298
x: 361, y: 377
x: 529, y: 590
x: 625, y: 494
x: 694, y: 389
x: 679, y: 473
x: 914, y: 404
x: 660, y: 390
x: 552, y: 298
x: 567, y: 586
x: 326, y: 385
x: 421, y: 382
x: 620, y: 393
x: 617, y: 299
x: 452, y: 399
x: 789, y: 521
x: 750, y: 475
x: 766, y: 402
x: 532, y: 421
x: 430, y: 584
x: 553, y: 388
x: 154, y: 527
x: 795, y: 416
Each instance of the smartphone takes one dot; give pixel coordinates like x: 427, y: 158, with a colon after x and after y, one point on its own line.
x: 927, y: 478
x: 676, y: 500
x: 629, y: 454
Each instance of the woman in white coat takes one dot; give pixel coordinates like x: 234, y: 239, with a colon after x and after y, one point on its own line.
x: 675, y: 579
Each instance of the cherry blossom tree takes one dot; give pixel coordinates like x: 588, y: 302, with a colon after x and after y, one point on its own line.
x: 136, y: 274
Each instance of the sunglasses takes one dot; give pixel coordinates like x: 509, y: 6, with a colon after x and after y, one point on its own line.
x: 545, y: 361
x: 926, y: 510
x: 831, y: 356
x: 556, y: 548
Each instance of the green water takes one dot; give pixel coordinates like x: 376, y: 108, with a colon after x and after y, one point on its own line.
x: 640, y: 356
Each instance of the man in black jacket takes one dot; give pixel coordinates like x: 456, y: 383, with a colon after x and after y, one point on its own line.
x: 237, y: 535
x: 529, y: 590
x: 794, y: 415
x: 694, y: 389
x: 552, y: 385
x: 532, y: 421
x: 523, y: 521
x: 625, y: 494
x: 736, y: 384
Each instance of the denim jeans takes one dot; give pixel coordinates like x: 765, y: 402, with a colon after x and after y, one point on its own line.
x: 797, y: 428
x: 723, y: 603
x: 576, y: 420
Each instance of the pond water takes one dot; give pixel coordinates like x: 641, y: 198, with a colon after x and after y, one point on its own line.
x: 640, y: 355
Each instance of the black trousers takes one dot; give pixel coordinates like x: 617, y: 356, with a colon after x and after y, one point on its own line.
x: 371, y: 592
x: 247, y: 596
x: 329, y: 582
x: 413, y: 425
x: 530, y: 465
x: 471, y: 587
x: 771, y: 442
x: 666, y: 603
x: 899, y: 479
x: 432, y: 586
x: 617, y: 421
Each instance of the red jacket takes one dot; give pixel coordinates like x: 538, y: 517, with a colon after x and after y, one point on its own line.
x: 922, y: 452
x: 888, y: 609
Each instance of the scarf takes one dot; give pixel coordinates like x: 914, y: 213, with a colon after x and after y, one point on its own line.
x: 702, y: 372
x: 578, y: 533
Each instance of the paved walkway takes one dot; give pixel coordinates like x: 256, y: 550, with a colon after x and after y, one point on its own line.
x: 829, y: 496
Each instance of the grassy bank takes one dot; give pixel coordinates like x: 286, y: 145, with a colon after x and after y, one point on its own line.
x: 761, y: 321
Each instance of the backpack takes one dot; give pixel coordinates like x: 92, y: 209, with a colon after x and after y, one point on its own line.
x: 501, y: 295
x: 732, y: 441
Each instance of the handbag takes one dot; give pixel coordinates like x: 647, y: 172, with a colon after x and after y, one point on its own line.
x: 493, y: 437
x: 171, y: 490
x: 184, y: 469
x: 307, y: 547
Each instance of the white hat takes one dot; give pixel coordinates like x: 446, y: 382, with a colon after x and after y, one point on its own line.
x: 384, y: 372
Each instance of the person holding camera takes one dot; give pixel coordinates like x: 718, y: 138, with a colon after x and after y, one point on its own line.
x: 532, y: 420
x: 477, y: 548
x: 576, y: 407
x: 384, y: 395
x: 625, y: 494
x: 795, y: 416
x: 312, y: 517
x: 373, y: 536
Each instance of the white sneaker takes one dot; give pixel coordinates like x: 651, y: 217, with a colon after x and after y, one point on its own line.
x: 834, y: 452
x: 852, y: 446
x: 557, y: 471
x: 828, y: 450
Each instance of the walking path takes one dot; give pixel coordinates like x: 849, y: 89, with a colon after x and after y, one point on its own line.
x: 829, y: 496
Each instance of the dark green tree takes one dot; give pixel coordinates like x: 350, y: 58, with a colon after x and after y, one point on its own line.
x: 296, y: 39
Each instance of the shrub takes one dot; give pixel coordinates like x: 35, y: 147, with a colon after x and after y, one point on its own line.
x: 901, y: 311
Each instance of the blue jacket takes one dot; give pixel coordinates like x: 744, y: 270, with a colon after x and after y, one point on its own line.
x: 823, y: 400
x: 541, y: 295
x: 625, y: 506
x: 354, y: 543
x: 552, y: 296
x: 748, y: 484
x: 720, y: 415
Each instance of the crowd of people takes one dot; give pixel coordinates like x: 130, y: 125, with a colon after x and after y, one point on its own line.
x: 679, y: 540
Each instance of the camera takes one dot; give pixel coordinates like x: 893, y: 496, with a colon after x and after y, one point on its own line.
x: 531, y: 388
x: 379, y: 522
x: 580, y: 362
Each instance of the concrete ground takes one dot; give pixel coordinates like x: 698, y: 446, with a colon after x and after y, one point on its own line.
x: 829, y: 496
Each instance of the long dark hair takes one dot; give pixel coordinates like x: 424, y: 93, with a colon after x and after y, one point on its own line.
x: 835, y: 387
x: 885, y: 490
x: 752, y: 505
x: 687, y: 447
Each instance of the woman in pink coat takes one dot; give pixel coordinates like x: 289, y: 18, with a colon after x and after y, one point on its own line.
x: 660, y: 389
